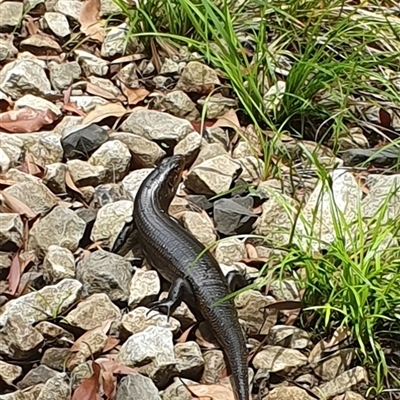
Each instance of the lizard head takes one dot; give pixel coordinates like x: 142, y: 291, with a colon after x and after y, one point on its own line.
x: 170, y: 172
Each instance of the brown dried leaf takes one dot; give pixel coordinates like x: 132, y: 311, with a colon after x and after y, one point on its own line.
x: 71, y: 107
x: 33, y: 167
x: 70, y: 183
x: 251, y: 251
x: 14, y: 275
x: 134, y: 96
x: 104, y: 327
x: 228, y: 120
x: 88, y: 389
x: 6, y: 183
x: 17, y: 206
x: 284, y: 305
x: 112, y: 342
x: 89, y: 18
x: 26, y: 120
x: 98, y: 91
x: 210, y: 392
x: 109, y: 384
x: 183, y: 338
x: 104, y: 111
x: 32, y: 27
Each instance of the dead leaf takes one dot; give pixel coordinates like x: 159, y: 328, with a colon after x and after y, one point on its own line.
x: 134, y: 96
x: 6, y: 182
x: 70, y: 183
x: 26, y: 120
x: 251, y: 251
x: 88, y: 389
x: 31, y: 26
x: 197, y: 125
x: 228, y: 120
x: 128, y: 59
x: 210, y: 392
x: 109, y: 384
x: 71, y: 107
x: 104, y: 327
x: 89, y: 18
x: 17, y: 206
x: 99, y: 91
x: 14, y: 275
x: 33, y: 167
x: 284, y: 305
x: 112, y: 342
x: 104, y: 111
x: 184, y: 336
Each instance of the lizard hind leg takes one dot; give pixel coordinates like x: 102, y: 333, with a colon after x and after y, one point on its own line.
x: 179, y: 289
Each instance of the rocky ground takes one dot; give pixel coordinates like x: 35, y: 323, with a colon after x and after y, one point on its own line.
x: 81, y: 125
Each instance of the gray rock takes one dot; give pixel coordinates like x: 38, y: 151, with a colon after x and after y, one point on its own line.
x: 128, y: 76
x: 103, y: 272
x: 110, y: 221
x: 376, y: 157
x: 31, y: 307
x: 12, y: 147
x: 279, y: 359
x: 284, y: 290
x: 177, y: 390
x: 23, y: 76
x: 349, y: 396
x: 91, y: 64
x: 54, y: 334
x: 88, y: 103
x: 140, y: 319
x: 106, y: 194
x: 218, y: 135
x: 275, y: 223
x: 59, y: 264
x: 198, y: 78
x: 7, y: 48
x: 145, y: 153
x: 108, y: 86
x: 217, y: 106
x: 18, y: 340
x: 11, y: 14
x: 144, y: 287
x: 330, y: 366
x: 344, y: 382
x: 137, y: 387
x: 108, y: 7
x: 115, y: 157
x: 40, y: 45
x: 131, y: 183
x: 190, y: 360
x: 86, y: 174
x: 54, y: 178
x: 81, y: 141
x: 163, y: 82
x: 70, y: 8
x: 288, y: 336
x: 93, y: 311
x: 288, y: 393
x: 57, y: 23
x: 251, y: 310
x: 189, y: 145
x: 35, y: 195
x: 213, y: 176
x: 56, y: 358
x: 11, y: 232
x: 243, y: 149
x: 63, y: 76
x: 200, y: 226
x: 5, y: 161
x: 214, y: 364
x: 44, y: 146
x: 169, y: 67
x: 151, y: 352
x: 230, y: 250
x: 80, y: 373
x: 56, y: 388
x: 23, y: 395
x: 9, y: 373
x: 61, y: 227
x: 178, y: 103
x: 37, y: 103
x: 115, y: 43
x: 252, y: 169
x: 37, y: 375
x: 18, y: 176
x: 234, y: 216
x: 318, y: 214
x: 156, y: 125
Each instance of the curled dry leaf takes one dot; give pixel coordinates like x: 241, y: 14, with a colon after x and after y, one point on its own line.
x: 102, y: 92
x: 210, y: 392
x: 228, y: 120
x: 89, y: 18
x: 88, y: 389
x: 103, y: 112
x: 26, y: 120
x: 134, y: 96
x: 17, y: 269
x: 70, y: 183
x: 17, y: 206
